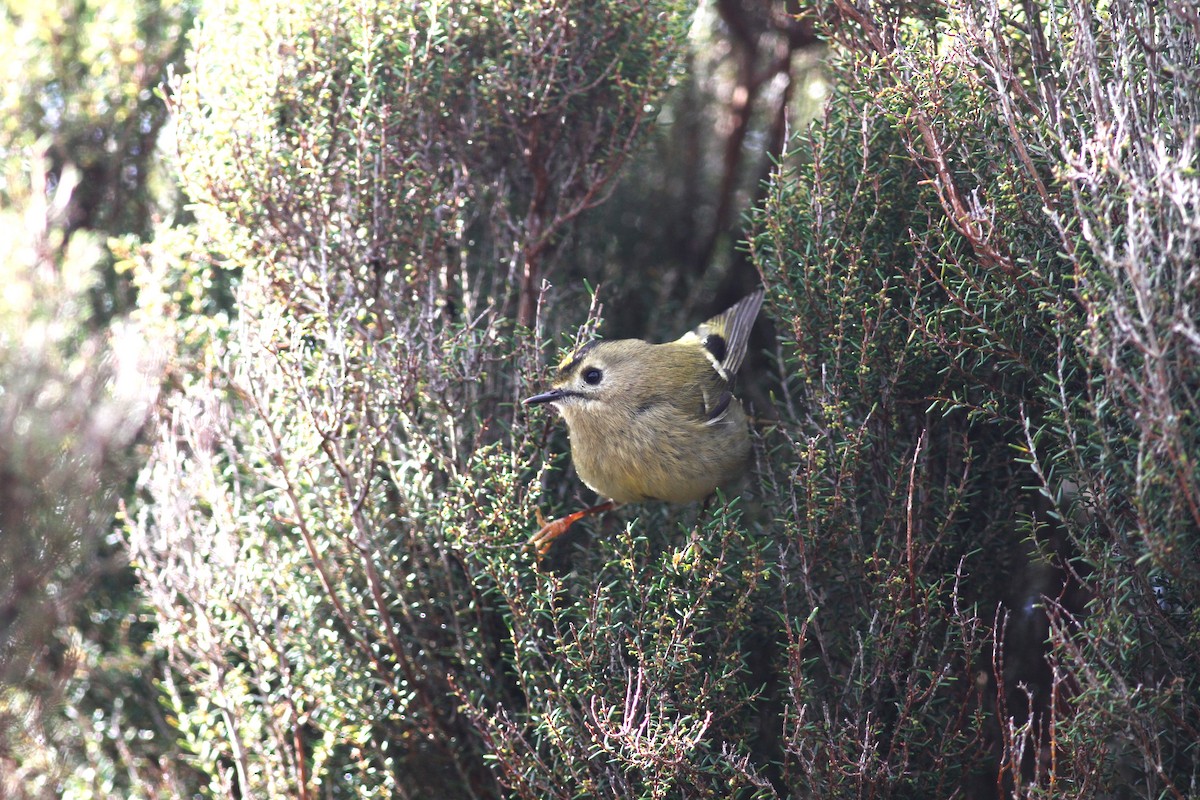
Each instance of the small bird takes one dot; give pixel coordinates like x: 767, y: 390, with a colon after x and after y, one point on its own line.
x: 654, y: 421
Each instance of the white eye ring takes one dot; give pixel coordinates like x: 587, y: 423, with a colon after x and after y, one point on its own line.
x: 592, y: 376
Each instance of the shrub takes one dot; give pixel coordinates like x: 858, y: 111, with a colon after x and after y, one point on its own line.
x: 335, y: 517
x: 984, y: 264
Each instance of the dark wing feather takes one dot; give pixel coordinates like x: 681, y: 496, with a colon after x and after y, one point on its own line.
x: 726, y: 335
x: 718, y: 410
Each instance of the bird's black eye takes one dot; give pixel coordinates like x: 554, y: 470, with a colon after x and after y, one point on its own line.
x: 592, y: 376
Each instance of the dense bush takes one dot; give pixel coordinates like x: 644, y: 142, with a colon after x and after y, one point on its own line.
x: 337, y: 509
x: 984, y: 266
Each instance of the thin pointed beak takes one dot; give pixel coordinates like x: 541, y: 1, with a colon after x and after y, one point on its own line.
x: 544, y: 397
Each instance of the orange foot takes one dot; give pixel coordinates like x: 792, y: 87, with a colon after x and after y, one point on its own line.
x: 555, y: 528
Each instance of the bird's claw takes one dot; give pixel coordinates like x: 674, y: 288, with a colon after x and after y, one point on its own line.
x: 549, y: 531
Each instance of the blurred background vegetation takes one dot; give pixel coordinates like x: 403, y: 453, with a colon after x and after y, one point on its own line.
x: 274, y: 277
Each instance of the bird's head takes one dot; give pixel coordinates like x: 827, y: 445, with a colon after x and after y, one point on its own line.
x: 600, y: 376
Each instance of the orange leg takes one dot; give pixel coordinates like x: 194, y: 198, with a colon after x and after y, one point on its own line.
x: 555, y: 528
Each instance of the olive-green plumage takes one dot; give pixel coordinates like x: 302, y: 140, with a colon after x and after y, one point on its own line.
x: 658, y: 421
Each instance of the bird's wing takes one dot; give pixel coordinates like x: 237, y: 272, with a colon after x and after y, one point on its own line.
x: 716, y: 412
x: 725, y: 336
x: 699, y: 394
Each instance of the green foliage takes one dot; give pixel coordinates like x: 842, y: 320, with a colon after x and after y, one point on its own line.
x: 630, y: 673
x: 992, y: 342
x: 428, y: 118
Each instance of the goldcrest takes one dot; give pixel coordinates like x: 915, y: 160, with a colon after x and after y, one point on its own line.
x: 654, y: 421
